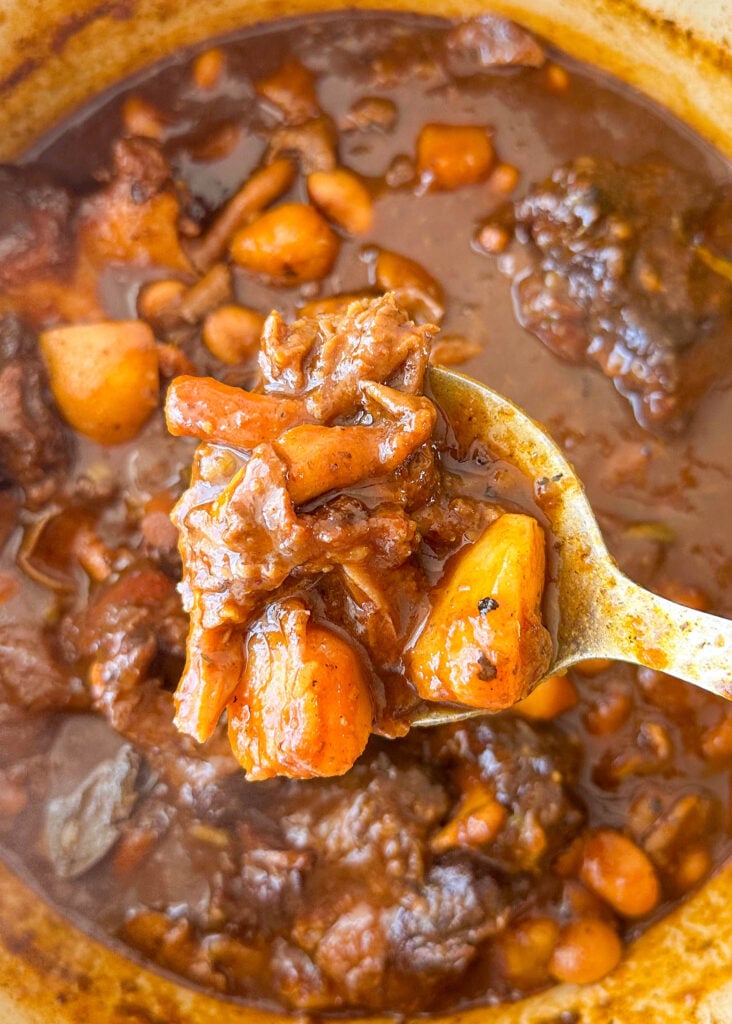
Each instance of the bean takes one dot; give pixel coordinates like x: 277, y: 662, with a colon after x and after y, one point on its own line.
x: 343, y: 198
x: 716, y: 742
x: 159, y: 302
x: 525, y: 950
x: 207, y: 68
x: 609, y: 712
x: 587, y: 950
x: 415, y: 288
x: 620, y: 872
x: 449, y: 156
x: 593, y: 666
x: 290, y: 244
x: 452, y: 349
x: 143, y: 119
x: 504, y: 179
x: 695, y: 864
x: 493, y: 238
x: 552, y: 697
x: 232, y: 333
x: 478, y: 820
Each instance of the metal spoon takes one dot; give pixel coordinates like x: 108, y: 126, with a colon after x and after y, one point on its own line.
x: 600, y: 612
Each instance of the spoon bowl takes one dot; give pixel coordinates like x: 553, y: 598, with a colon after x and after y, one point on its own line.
x: 600, y: 613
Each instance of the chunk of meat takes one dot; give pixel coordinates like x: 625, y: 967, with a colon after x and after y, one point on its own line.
x: 437, y: 929
x: 615, y: 279
x: 135, y: 218
x: 484, y: 643
x: 32, y: 676
x: 488, y: 42
x: 34, y: 225
x: 35, y: 448
x: 529, y: 771
x: 131, y: 639
x: 395, y: 916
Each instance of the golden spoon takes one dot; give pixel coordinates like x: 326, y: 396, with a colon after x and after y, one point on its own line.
x: 600, y: 612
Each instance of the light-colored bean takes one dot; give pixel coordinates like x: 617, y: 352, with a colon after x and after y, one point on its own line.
x: 477, y: 821
x: 142, y: 118
x: 290, y: 244
x: 208, y: 68
x: 232, y: 333
x: 587, y: 950
x: 453, y: 349
x: 525, y: 950
x: 343, y: 198
x: 159, y: 302
x: 551, y: 698
x: 414, y: 287
x: 620, y: 873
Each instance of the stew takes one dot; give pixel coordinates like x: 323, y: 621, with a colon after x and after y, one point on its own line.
x: 369, y: 178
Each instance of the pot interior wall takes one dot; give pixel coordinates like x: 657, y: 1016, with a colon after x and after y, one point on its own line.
x: 677, y: 51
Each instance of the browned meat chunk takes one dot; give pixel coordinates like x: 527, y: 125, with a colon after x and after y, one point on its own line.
x: 34, y: 225
x: 481, y: 44
x: 35, y: 448
x: 132, y: 639
x: 32, y: 682
x: 527, y: 771
x: 615, y: 278
x: 135, y: 218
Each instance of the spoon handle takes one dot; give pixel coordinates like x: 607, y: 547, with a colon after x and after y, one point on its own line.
x: 645, y: 629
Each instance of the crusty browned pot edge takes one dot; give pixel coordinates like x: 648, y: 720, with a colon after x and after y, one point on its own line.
x: 678, y: 51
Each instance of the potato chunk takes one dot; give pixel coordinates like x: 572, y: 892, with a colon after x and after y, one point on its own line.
x: 104, y: 376
x: 483, y: 643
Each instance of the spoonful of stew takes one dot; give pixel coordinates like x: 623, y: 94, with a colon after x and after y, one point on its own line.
x: 347, y: 570
x: 600, y: 612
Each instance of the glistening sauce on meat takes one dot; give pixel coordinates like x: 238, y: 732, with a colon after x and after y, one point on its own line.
x: 574, y: 248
